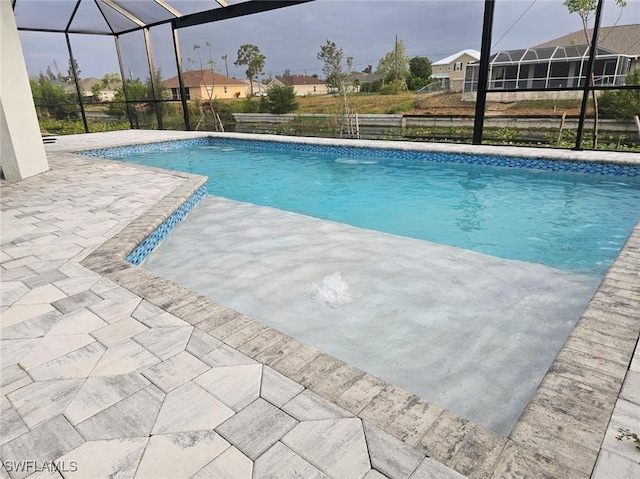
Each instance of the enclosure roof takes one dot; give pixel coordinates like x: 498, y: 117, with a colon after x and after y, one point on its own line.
x: 114, y: 17
x: 548, y: 54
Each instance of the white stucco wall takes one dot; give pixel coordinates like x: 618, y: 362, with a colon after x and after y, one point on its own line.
x: 21, y: 149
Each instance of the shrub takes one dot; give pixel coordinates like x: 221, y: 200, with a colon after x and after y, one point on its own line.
x: 393, y: 87
x: 282, y: 99
x: 622, y: 104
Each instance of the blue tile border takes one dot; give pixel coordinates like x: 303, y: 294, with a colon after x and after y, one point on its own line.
x: 120, y: 151
x: 440, y: 157
x: 140, y: 253
x: 601, y: 168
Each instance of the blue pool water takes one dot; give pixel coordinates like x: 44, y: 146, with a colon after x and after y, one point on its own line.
x: 569, y: 220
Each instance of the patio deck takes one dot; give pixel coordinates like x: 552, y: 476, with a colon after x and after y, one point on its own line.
x: 110, y: 371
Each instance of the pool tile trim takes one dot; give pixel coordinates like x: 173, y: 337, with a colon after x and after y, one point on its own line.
x: 549, y: 440
x: 151, y: 242
x: 602, y: 166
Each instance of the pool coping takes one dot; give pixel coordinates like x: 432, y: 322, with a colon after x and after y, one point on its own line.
x: 558, y: 435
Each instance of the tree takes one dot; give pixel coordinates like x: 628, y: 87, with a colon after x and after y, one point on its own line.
x: 69, y: 76
x: 226, y: 66
x: 49, y: 73
x: 334, y: 69
x: 249, y: 55
x: 622, y: 104
x: 109, y: 79
x: 585, y: 9
x: 420, y: 67
x: 52, y: 100
x: 163, y: 93
x: 208, y: 108
x: 336, y: 75
x: 137, y: 91
x: 420, y: 73
x: 395, y: 64
x: 282, y: 99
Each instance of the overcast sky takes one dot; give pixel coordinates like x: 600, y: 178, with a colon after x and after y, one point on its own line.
x: 290, y: 38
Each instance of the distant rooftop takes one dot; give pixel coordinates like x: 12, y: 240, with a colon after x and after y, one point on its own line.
x: 201, y: 77
x: 445, y: 61
x: 621, y: 39
x: 300, y: 80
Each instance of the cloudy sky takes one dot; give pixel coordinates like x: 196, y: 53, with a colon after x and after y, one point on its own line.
x: 290, y: 38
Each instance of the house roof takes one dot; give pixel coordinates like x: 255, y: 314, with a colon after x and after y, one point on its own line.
x: 201, y: 77
x: 445, y: 61
x: 621, y: 39
x: 293, y: 80
x: 87, y: 83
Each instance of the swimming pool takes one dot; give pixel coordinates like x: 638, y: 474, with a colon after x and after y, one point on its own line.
x: 573, y: 216
x: 471, y: 332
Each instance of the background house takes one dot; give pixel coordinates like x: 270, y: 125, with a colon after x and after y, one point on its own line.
x: 560, y: 62
x: 205, y: 84
x: 106, y: 93
x: 357, y: 82
x: 302, y: 84
x: 258, y: 88
x: 450, y: 70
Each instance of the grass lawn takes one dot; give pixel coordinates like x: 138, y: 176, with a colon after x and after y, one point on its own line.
x: 409, y: 104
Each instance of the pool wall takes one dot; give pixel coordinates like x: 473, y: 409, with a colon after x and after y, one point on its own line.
x: 559, y: 434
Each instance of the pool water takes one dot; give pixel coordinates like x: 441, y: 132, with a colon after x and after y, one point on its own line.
x: 488, y: 267
x: 571, y: 221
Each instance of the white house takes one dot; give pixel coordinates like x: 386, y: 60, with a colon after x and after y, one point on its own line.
x: 450, y: 70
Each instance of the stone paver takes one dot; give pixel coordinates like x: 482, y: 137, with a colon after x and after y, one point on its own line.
x: 280, y: 461
x: 43, y: 400
x: 119, y: 331
x: 335, y: 446
x: 389, y: 455
x: 226, y: 356
x: 175, y: 371
x: 76, y: 364
x: 236, y: 386
x: 43, y: 444
x: 83, y: 321
x: 98, y: 393
x: 107, y: 367
x: 180, y: 455
x: 308, y: 406
x: 124, y: 358
x: 190, y: 408
x: 231, y: 464
x: 110, y: 458
x: 165, y: 342
x: 278, y: 389
x: 53, y: 347
x: 133, y: 416
x: 11, y: 425
x: 256, y: 428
